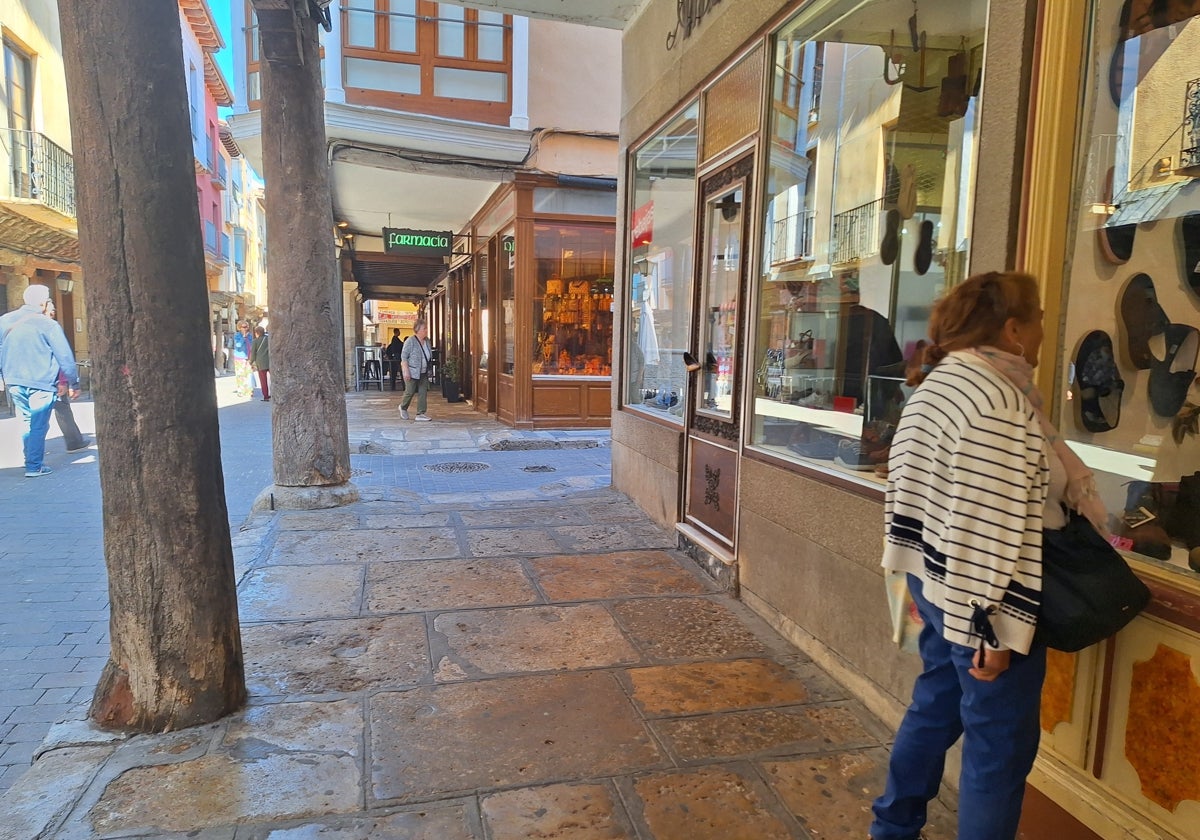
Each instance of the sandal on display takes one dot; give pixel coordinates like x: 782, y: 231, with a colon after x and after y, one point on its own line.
x: 1171, y: 377
x: 1115, y: 241
x: 1100, y: 386
x: 889, y: 248
x: 1189, y: 246
x: 923, y: 255
x: 1143, y: 319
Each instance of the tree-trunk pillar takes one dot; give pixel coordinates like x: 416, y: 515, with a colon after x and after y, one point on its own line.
x: 311, y: 441
x: 176, y: 657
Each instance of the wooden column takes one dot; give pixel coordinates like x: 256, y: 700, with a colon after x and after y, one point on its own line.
x: 311, y: 442
x: 176, y: 657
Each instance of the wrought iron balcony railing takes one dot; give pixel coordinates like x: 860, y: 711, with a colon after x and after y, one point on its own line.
x: 856, y: 232
x: 42, y: 170
x: 793, y: 237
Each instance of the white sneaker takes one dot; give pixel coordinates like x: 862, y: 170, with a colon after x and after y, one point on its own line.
x: 404, y: 414
x: 424, y: 417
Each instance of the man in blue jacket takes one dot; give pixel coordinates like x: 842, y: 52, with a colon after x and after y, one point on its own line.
x: 33, y: 349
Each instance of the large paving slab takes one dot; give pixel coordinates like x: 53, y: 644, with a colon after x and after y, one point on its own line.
x: 335, y: 656
x: 727, y: 802
x: 447, y: 585
x: 557, y: 812
x: 686, y: 628
x: 592, y: 577
x: 697, y: 687
x: 445, y: 740
x: 276, y: 593
x: 364, y: 546
x: 545, y: 638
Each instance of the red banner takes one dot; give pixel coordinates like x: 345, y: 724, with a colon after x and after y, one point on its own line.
x: 642, y: 224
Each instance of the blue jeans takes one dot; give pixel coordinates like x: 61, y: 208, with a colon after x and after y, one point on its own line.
x: 34, y: 407
x: 1000, y: 724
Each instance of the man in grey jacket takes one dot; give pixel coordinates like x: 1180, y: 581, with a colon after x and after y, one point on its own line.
x: 33, y: 349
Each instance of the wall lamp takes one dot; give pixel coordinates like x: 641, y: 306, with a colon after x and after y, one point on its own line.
x: 65, y: 282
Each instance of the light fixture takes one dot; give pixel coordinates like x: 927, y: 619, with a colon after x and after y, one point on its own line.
x: 65, y: 282
x: 343, y: 224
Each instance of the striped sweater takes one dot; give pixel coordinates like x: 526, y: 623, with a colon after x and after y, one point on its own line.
x: 966, y: 495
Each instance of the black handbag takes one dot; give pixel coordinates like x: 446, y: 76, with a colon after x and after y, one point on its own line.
x: 1088, y: 590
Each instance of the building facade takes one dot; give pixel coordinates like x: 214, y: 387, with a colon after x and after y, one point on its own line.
x: 38, y: 230
x: 468, y: 178
x: 802, y: 181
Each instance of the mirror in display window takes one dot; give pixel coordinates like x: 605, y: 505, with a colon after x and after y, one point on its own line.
x: 1131, y: 407
x: 661, y: 231
x: 872, y: 143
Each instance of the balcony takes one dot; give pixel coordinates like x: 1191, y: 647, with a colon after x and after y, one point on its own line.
x: 216, y: 247
x: 220, y: 173
x: 856, y: 232
x: 793, y: 238
x: 42, y: 171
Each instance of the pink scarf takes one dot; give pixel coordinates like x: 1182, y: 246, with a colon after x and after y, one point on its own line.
x: 1080, y: 493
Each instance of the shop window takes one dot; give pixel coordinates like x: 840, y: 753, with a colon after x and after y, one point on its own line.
x: 507, y: 261
x: 871, y: 143
x: 662, y: 233
x: 572, y: 307
x: 1132, y: 313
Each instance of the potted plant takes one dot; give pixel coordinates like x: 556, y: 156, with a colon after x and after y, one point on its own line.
x: 451, y: 374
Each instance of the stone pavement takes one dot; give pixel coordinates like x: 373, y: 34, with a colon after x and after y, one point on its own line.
x: 492, y: 644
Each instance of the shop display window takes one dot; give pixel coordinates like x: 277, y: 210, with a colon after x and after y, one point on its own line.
x: 872, y: 141
x: 662, y: 232
x: 506, y: 261
x: 572, y: 307
x: 1130, y: 405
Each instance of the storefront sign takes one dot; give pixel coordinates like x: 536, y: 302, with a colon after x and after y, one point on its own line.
x: 641, y: 224
x: 688, y: 14
x: 417, y: 243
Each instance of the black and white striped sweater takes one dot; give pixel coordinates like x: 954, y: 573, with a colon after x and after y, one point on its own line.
x: 967, y: 484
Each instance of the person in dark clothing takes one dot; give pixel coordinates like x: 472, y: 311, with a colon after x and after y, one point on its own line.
x: 391, y: 354
x: 260, y: 360
x: 74, y: 439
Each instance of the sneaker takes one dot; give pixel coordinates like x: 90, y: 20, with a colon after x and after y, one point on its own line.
x: 84, y: 444
x: 36, y: 473
x: 404, y: 414
x: 424, y: 417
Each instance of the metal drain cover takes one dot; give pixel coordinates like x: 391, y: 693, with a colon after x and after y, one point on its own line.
x: 538, y: 468
x: 458, y: 467
x: 357, y: 471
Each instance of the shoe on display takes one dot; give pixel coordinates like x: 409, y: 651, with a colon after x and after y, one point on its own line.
x: 1142, y: 526
x: 1171, y: 377
x: 889, y: 248
x: 38, y: 472
x: 852, y: 456
x: 1143, y: 318
x: 815, y: 444
x: 423, y: 417
x: 404, y: 414
x: 84, y: 444
x: 923, y: 255
x: 1099, y: 383
x: 1115, y: 241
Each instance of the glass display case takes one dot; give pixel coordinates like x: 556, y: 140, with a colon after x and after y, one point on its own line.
x: 573, y: 302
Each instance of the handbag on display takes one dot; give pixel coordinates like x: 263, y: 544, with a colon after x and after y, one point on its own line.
x: 1088, y: 590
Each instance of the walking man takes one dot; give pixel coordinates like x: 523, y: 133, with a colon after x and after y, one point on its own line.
x: 260, y: 360
x: 33, y: 349
x: 414, y: 364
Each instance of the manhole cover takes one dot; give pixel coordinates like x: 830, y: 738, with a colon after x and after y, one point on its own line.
x: 538, y: 468
x: 458, y: 467
x: 356, y: 471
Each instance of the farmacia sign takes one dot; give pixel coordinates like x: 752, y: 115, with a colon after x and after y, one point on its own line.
x: 417, y: 243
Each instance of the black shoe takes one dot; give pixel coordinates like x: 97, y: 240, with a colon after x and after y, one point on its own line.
x: 1100, y: 386
x: 1143, y: 317
x: 1171, y: 378
x: 889, y: 248
x: 923, y: 256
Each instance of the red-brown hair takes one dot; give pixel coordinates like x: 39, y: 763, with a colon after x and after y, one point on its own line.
x: 974, y: 313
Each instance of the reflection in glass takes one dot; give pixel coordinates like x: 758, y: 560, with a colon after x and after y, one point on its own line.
x: 402, y: 26
x: 867, y: 215
x: 723, y: 226
x: 661, y: 231
x: 507, y: 260
x: 572, y: 309
x: 451, y: 32
x: 1131, y: 338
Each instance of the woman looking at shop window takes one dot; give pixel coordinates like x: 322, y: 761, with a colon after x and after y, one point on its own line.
x: 976, y: 472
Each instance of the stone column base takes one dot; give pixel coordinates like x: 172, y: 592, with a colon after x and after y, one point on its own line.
x: 277, y: 497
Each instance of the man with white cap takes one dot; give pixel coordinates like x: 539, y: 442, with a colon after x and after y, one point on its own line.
x: 33, y: 348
